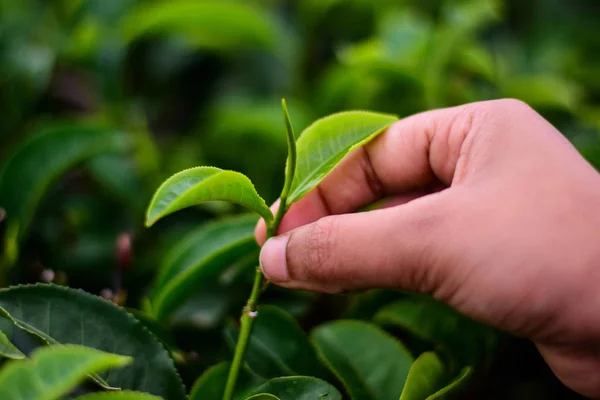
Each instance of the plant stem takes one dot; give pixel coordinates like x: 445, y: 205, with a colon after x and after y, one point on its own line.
x: 249, y: 314
x: 247, y: 320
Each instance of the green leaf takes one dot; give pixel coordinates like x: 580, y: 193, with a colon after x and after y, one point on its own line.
x: 290, y: 165
x: 279, y: 347
x: 325, y: 143
x: 202, y: 255
x: 426, y: 376
x: 263, y: 396
x: 299, y: 388
x: 8, y: 350
x: 53, y: 372
x: 197, y: 185
x: 455, y: 386
x: 211, y: 385
x: 42, y: 158
x: 544, y: 91
x: 464, y: 340
x: 214, y: 25
x: 118, y: 396
x: 118, y: 175
x: 60, y: 315
x: 370, y: 363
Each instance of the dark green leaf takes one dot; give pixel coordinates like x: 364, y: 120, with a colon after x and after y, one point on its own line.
x: 370, y: 363
x: 8, y: 350
x: 213, y: 25
x: 53, y: 372
x: 211, y: 385
x: 118, y: 396
x: 67, y: 316
x: 324, y: 143
x: 463, y: 339
x: 263, y: 396
x: 202, y: 255
x: 197, y: 185
x: 118, y: 175
x: 299, y: 388
x: 279, y: 347
x: 42, y: 158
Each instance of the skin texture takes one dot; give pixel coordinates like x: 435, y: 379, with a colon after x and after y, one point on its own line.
x: 492, y: 211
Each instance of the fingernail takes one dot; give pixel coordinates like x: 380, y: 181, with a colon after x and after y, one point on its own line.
x: 273, y: 260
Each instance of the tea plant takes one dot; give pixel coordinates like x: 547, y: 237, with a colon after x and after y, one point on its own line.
x: 351, y: 350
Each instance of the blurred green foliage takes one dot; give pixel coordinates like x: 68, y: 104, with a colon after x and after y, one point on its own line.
x: 184, y: 83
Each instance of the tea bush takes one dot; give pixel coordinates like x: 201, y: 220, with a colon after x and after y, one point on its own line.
x: 102, y: 100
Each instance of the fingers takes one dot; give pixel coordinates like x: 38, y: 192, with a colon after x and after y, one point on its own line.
x: 393, y: 247
x: 413, y: 154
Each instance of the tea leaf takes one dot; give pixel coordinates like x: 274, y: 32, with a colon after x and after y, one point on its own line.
x: 8, y: 350
x: 213, y: 25
x: 197, y: 185
x: 325, y: 143
x: 463, y: 339
x: 279, y: 347
x: 211, y: 385
x: 370, y: 363
x: 118, y: 396
x: 298, y: 388
x: 59, y: 315
x: 41, y: 159
x: 426, y: 376
x: 544, y: 91
x: 203, y: 254
x: 54, y: 372
x: 290, y: 165
x: 454, y: 387
x: 263, y: 396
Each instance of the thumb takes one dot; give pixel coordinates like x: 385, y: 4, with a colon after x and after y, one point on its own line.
x: 399, y: 247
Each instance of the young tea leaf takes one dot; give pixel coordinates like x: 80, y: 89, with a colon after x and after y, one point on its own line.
x: 453, y: 387
x: 202, y: 255
x: 325, y: 143
x: 197, y: 185
x: 298, y: 388
x: 54, y: 371
x: 46, y: 155
x: 371, y: 364
x: 428, y: 379
x: 290, y: 165
x: 426, y: 376
x: 59, y: 315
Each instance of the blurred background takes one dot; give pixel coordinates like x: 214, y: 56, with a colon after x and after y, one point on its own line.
x: 176, y: 84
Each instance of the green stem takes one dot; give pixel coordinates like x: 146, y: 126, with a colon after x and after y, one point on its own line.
x: 247, y: 321
x: 249, y: 313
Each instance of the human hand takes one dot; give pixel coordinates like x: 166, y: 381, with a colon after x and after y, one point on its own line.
x: 493, y: 212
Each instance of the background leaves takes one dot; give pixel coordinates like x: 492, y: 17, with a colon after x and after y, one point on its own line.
x: 66, y: 316
x: 101, y: 100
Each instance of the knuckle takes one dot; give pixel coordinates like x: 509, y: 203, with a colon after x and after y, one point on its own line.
x: 319, y: 256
